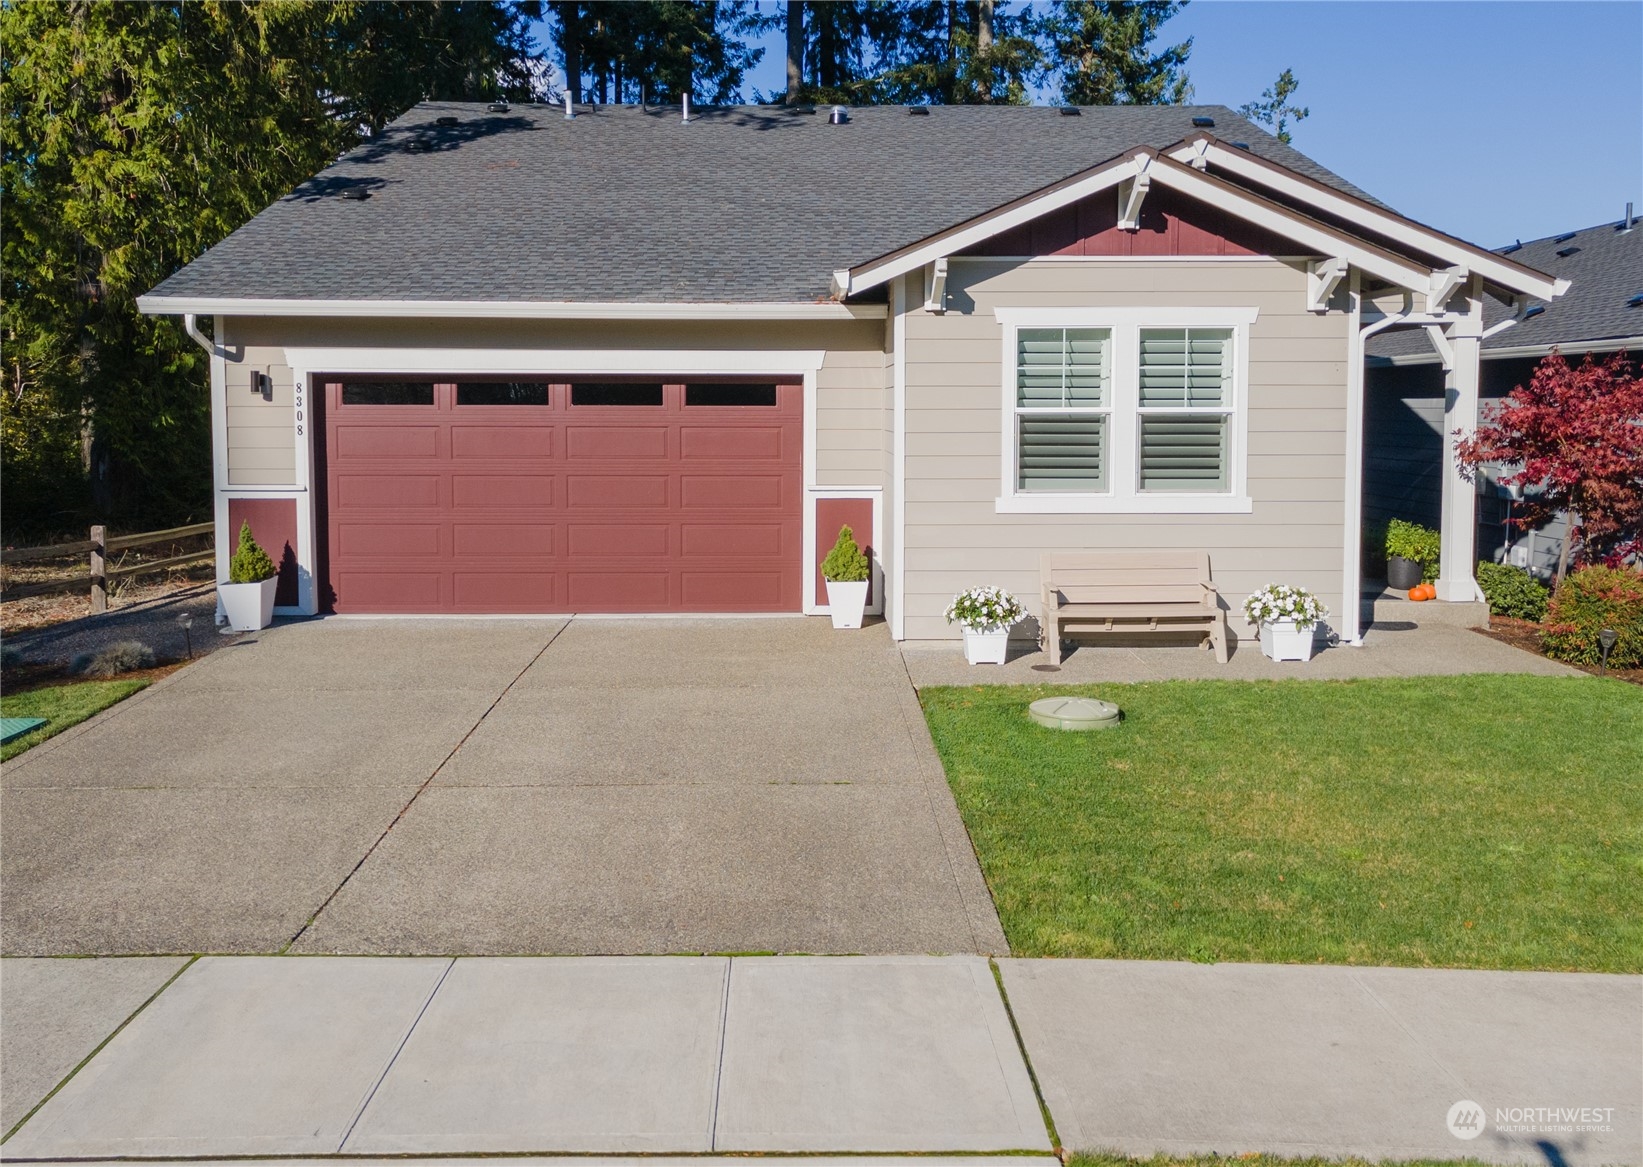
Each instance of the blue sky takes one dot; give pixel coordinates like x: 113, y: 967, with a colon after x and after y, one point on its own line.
x: 1490, y: 120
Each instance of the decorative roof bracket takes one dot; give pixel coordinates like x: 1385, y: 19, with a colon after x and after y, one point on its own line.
x: 1443, y: 286
x: 935, y: 287
x: 1323, y: 276
x: 1132, y: 192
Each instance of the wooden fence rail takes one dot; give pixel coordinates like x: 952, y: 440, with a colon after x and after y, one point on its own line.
x: 99, y: 573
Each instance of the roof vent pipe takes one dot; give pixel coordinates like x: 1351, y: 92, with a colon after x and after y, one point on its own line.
x: 570, y: 110
x: 1629, y: 218
x: 839, y: 116
x: 686, y: 104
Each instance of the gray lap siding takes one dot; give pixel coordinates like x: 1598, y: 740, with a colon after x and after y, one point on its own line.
x: 1296, y: 438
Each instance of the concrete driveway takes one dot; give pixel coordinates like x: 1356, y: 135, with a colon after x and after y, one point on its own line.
x: 501, y: 787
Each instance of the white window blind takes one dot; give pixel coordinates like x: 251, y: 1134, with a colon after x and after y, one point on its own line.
x: 1063, y: 403
x: 1185, y: 407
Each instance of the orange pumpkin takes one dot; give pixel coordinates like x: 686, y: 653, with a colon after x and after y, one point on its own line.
x: 1418, y: 592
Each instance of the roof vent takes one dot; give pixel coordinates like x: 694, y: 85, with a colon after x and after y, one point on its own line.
x: 1626, y: 223
x: 1514, y: 245
x: 1566, y: 252
x: 1241, y: 145
x: 1565, y: 238
x: 918, y: 111
x: 798, y: 109
x: 1636, y: 301
x: 1070, y: 111
x: 499, y: 107
x: 447, y: 120
x: 838, y: 116
x: 356, y: 194
x: 1533, y: 310
x: 1203, y: 123
x: 418, y: 146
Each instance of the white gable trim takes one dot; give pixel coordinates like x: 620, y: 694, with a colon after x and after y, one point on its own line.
x: 506, y: 309
x: 1163, y: 171
x: 1492, y: 267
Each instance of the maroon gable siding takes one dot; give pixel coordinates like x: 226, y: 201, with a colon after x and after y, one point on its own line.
x: 1171, y: 224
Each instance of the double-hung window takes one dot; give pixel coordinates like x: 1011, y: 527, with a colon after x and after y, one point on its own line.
x: 1125, y: 410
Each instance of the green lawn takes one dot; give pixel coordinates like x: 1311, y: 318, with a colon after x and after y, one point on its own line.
x: 1475, y: 822
x: 63, y: 705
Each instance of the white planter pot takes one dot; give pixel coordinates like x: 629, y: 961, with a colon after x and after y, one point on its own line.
x: 987, y: 646
x: 1281, y: 640
x: 846, y: 602
x: 248, y: 606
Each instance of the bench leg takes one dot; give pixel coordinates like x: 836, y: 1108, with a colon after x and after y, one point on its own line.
x: 1218, y: 636
x: 1052, y: 639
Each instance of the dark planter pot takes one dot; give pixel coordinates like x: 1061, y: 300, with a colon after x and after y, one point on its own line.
x: 1402, y: 574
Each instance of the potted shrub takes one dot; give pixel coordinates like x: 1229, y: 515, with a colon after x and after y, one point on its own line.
x: 248, y: 596
x: 1411, y: 554
x: 1288, y: 619
x: 986, y: 615
x: 846, y: 570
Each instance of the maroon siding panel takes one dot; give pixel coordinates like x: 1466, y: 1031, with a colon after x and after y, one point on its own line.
x: 1171, y: 224
x: 831, y: 514
x: 561, y: 508
x: 274, y: 525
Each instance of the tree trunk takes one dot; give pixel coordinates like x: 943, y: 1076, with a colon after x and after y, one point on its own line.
x: 570, y: 23
x: 795, y: 51
x: 984, y: 25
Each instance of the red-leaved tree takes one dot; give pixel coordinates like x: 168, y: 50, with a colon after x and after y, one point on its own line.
x: 1573, y: 436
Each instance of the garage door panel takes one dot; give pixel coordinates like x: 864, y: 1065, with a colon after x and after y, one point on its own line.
x: 605, y: 442
x: 599, y: 491
x: 502, y: 491
x: 366, y: 539
x: 558, y: 507
x: 731, y: 591
x: 503, y: 591
x: 731, y: 491
x: 619, y: 591
x: 498, y: 441
x: 388, y: 591
x: 502, y: 540
x: 731, y: 540
x: 736, y: 443
x: 378, y: 441
x: 618, y: 539
x: 396, y: 492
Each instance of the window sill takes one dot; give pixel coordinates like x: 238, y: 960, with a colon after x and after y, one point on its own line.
x: 1147, y: 504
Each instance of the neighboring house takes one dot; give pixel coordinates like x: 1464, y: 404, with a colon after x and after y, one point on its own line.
x: 500, y: 360
x: 1404, y: 428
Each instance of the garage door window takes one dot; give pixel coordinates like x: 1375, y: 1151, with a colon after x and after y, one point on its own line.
x: 730, y: 393
x: 637, y: 393
x: 501, y: 392
x: 387, y: 392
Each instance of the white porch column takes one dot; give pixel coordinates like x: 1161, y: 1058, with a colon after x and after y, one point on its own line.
x: 1458, y: 528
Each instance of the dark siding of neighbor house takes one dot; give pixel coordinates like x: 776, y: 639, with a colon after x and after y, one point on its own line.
x: 1403, y: 457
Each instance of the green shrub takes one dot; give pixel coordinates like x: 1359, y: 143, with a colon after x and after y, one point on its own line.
x: 125, y: 656
x: 1588, y: 601
x: 846, y: 563
x: 251, y: 563
x: 1513, y: 592
x: 1413, y: 541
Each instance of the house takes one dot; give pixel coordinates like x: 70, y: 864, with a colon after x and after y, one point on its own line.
x: 627, y: 359
x: 1403, y: 409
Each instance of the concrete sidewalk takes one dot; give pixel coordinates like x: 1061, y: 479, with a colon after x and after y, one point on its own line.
x: 316, y: 1056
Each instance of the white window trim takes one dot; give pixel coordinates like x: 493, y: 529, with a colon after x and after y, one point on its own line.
x: 1123, y: 495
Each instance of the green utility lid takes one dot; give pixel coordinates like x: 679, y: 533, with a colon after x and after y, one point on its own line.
x: 16, y: 727
x: 1074, y: 713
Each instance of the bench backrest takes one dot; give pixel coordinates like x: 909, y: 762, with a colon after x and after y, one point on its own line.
x: 1126, y: 577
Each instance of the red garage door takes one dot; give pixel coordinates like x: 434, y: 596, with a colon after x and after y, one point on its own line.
x: 551, y: 496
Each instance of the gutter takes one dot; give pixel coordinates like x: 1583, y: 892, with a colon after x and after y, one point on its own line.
x: 191, y: 306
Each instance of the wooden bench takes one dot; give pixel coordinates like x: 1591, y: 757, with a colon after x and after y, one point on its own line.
x: 1129, y: 592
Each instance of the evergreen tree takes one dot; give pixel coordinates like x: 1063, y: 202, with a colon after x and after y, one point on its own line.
x: 133, y: 136
x: 952, y: 53
x: 656, y: 51
x: 1274, y: 110
x: 1102, y: 52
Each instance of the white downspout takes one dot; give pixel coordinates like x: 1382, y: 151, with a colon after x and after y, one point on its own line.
x: 1352, y: 552
x: 192, y: 327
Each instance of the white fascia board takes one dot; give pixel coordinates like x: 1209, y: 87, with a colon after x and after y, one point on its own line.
x: 850, y: 282
x: 507, y: 309
x: 573, y: 362
x: 1406, y: 231
x: 1572, y: 349
x: 1280, y: 220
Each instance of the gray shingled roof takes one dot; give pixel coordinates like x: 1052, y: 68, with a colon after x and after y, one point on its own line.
x: 1605, y: 271
x: 747, y: 204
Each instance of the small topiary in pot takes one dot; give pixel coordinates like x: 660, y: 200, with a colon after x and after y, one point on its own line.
x: 846, y: 571
x: 1416, y: 546
x: 250, y: 564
